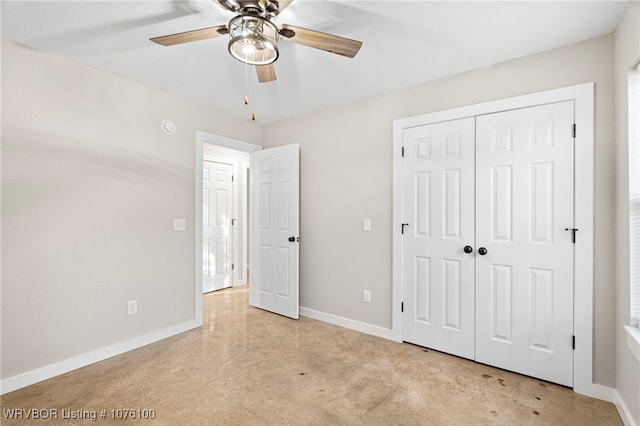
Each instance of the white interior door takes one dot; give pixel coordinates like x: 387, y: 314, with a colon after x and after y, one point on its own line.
x: 275, y: 229
x: 216, y: 225
x: 439, y: 211
x: 524, y: 282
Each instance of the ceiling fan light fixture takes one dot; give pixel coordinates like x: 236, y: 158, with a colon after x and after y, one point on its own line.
x: 253, y: 40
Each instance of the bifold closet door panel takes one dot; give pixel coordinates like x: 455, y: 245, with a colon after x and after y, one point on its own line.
x: 524, y: 280
x: 439, y: 210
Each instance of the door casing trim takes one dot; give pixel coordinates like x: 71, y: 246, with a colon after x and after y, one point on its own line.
x: 583, y: 97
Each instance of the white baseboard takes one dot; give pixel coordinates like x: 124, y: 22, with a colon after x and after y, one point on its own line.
x: 52, y: 370
x: 623, y: 410
x: 604, y: 393
x: 362, y: 327
x: 612, y: 395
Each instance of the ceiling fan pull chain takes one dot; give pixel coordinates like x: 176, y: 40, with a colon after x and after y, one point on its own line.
x: 255, y: 101
x: 246, y: 91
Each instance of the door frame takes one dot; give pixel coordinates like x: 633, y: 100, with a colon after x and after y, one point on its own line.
x: 202, y: 138
x: 583, y: 97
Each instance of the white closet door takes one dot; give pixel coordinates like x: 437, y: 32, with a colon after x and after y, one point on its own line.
x: 524, y: 282
x: 216, y: 226
x: 438, y: 276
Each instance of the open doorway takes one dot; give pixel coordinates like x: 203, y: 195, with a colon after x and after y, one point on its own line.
x: 232, y: 155
x: 224, y: 218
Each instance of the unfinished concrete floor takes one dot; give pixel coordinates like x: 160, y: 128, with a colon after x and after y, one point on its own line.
x: 247, y: 366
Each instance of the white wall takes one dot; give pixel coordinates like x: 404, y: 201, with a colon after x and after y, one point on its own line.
x: 627, y: 54
x: 346, y: 163
x: 90, y: 185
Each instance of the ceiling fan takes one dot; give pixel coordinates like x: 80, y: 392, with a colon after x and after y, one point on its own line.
x: 254, y: 38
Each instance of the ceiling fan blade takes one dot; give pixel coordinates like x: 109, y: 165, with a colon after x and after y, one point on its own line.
x: 189, y: 36
x: 266, y: 73
x: 323, y: 41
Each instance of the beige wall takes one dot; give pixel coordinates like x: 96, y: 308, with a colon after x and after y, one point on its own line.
x: 346, y: 165
x: 627, y: 54
x: 90, y: 186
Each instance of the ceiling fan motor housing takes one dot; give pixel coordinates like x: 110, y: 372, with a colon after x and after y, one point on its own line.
x: 264, y: 8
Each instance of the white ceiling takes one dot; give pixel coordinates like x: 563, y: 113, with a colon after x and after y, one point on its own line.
x: 405, y: 43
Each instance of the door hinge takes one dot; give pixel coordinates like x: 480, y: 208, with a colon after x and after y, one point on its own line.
x: 402, y: 227
x: 573, y: 342
x: 403, y: 151
x: 232, y: 178
x: 401, y: 306
x: 574, y: 130
x: 233, y: 266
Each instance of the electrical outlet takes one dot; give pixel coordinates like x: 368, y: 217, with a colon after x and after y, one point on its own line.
x: 132, y: 307
x: 366, y: 296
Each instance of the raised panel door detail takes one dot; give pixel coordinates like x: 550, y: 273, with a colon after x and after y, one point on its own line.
x: 541, y: 309
x: 221, y: 256
x: 265, y: 166
x: 501, y: 303
x: 501, y: 140
x: 423, y: 148
x: 452, y: 145
x: 423, y: 204
x: 541, y: 202
x: 284, y: 164
x: 265, y: 268
x: 452, y: 203
x: 265, y: 205
x: 221, y: 176
x: 283, y: 272
x: 451, y: 293
x: 541, y: 135
x: 221, y: 207
x: 422, y: 287
x: 501, y: 212
x: 283, y: 203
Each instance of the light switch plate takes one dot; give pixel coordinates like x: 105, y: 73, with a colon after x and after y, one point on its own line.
x: 366, y: 224
x: 179, y: 225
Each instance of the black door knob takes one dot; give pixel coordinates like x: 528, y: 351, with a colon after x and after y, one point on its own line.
x: 292, y: 239
x: 468, y: 249
x: 482, y: 251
